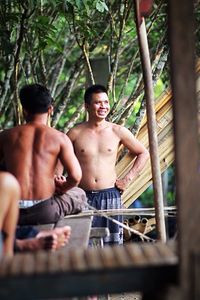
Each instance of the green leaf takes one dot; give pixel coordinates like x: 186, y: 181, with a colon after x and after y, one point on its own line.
x: 78, y: 4
x: 101, y: 6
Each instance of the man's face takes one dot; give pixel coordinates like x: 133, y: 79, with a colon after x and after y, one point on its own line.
x: 99, y: 106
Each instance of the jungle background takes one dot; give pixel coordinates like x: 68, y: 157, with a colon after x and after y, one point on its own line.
x: 69, y: 44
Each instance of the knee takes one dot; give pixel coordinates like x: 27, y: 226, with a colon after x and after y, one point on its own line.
x: 9, y: 184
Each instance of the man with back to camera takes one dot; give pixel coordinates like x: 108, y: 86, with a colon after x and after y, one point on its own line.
x: 31, y: 152
x: 96, y: 143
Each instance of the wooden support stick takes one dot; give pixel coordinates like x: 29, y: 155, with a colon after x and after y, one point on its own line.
x: 151, y: 121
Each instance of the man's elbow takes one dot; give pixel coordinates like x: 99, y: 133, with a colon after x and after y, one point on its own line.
x: 146, y: 155
x: 76, y: 177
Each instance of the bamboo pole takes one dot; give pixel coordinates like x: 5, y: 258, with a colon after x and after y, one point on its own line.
x: 151, y: 121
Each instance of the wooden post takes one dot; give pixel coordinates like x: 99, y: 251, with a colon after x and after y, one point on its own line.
x: 151, y: 121
x: 187, y: 158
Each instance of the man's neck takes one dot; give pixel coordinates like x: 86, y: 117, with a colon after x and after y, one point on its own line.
x: 98, y: 124
x: 37, y: 119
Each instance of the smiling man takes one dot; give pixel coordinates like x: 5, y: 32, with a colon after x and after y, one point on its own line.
x: 96, y: 143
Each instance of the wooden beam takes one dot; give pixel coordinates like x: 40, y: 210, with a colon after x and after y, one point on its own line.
x: 94, y: 271
x: 151, y: 120
x: 182, y: 48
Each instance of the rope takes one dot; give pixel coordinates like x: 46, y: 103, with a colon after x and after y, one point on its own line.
x: 102, y: 214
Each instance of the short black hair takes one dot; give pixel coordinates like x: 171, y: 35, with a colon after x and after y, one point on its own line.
x: 35, y: 98
x: 94, y: 89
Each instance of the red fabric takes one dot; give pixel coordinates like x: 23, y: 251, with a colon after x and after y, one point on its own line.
x: 145, y: 7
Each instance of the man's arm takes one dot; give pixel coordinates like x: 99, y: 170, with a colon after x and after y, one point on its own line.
x: 138, y: 151
x: 72, y: 134
x: 70, y: 164
x: 2, y: 162
x: 59, y: 168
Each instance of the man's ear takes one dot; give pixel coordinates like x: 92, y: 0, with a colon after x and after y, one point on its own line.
x: 86, y: 106
x: 50, y: 113
x: 24, y: 112
x: 50, y: 110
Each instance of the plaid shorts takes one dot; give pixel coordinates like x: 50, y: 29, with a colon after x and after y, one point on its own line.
x: 103, y: 200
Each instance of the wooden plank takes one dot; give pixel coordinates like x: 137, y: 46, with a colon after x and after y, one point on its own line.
x: 121, y: 256
x: 151, y: 255
x: 107, y: 258
x: 164, y: 118
x: 80, y: 231
x: 64, y: 261
x: 44, y: 226
x: 28, y: 263
x: 167, y: 252
x: 41, y: 262
x: 53, y: 262
x: 5, y: 265
x: 16, y: 266
x: 77, y: 260
x: 136, y: 255
x: 196, y: 275
x: 145, y: 178
x: 171, y: 210
x: 93, y: 259
x: 187, y: 152
x: 109, y: 268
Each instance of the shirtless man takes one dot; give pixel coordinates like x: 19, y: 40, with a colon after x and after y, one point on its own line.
x: 31, y: 151
x: 96, y: 143
x: 9, y: 210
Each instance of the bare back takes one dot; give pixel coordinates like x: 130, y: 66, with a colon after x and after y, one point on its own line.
x: 30, y: 152
x: 97, y: 152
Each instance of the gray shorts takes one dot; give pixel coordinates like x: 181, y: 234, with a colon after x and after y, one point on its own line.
x: 52, y: 209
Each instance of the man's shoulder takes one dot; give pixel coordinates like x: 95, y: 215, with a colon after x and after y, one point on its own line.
x: 78, y: 127
x: 8, y: 131
x: 56, y: 134
x: 114, y: 126
x: 119, y: 130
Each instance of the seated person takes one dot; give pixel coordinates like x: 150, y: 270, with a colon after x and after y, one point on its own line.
x: 9, y: 212
x: 31, y: 152
x: 30, y: 239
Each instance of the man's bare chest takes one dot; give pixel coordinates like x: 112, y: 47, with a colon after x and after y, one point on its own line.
x: 97, y: 144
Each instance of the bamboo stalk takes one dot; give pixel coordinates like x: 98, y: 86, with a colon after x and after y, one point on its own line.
x: 151, y: 120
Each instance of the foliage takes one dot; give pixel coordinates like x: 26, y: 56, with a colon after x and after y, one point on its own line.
x: 147, y: 198
x: 53, y: 42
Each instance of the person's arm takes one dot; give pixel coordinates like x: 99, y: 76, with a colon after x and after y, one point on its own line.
x: 138, y: 151
x: 2, y: 161
x: 72, y: 134
x: 71, y: 165
x: 59, y: 168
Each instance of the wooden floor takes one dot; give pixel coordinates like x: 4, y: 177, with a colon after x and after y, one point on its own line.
x: 135, y: 267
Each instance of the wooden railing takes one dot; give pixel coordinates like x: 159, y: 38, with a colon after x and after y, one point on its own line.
x: 145, y: 267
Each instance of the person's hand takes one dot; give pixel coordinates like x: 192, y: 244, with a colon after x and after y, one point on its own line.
x: 59, y: 184
x: 122, y: 184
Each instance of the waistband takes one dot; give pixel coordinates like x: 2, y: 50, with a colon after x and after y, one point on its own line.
x: 28, y: 203
x: 112, y: 189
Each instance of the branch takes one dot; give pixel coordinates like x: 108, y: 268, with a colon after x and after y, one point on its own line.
x: 16, y: 66
x: 86, y: 55
x: 117, y: 52
x: 43, y: 69
x: 64, y: 99
x: 70, y: 123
